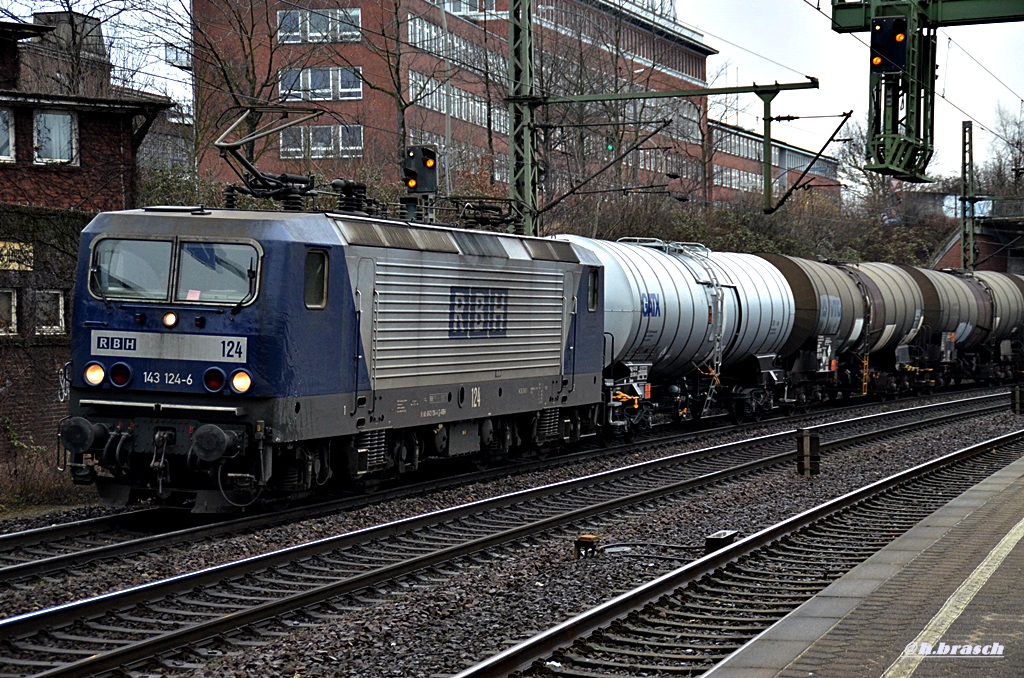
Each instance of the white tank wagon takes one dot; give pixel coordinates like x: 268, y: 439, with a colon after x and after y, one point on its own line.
x: 658, y: 312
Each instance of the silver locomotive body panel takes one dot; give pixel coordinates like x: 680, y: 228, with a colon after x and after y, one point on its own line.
x: 448, y: 336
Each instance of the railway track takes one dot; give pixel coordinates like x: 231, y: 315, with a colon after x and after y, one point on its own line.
x: 690, y: 619
x: 126, y: 627
x: 44, y: 551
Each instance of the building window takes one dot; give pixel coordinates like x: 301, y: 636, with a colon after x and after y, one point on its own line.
x: 351, y: 141
x: 289, y: 26
x: 319, y: 87
x: 349, y: 23
x: 319, y: 25
x: 291, y: 84
x: 291, y: 143
x: 56, y: 137
x: 350, y: 83
x: 49, y: 312
x: 6, y: 135
x: 321, y: 84
x: 8, y: 312
x: 322, y: 141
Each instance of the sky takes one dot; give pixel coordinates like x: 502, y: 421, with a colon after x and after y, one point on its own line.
x: 766, y: 41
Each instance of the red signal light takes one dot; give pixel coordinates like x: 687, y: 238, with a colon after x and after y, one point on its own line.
x: 120, y: 374
x: 900, y: 37
x: 214, y: 379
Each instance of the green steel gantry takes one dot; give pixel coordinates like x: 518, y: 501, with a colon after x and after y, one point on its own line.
x: 901, y: 114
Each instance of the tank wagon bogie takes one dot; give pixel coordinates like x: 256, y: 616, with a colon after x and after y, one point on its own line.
x: 222, y: 357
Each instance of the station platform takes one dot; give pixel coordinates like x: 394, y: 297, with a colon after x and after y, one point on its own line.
x: 955, y: 580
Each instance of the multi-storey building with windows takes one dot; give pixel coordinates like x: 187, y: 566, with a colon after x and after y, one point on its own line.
x: 389, y: 75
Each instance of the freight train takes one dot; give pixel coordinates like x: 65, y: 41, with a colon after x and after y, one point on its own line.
x: 224, y: 357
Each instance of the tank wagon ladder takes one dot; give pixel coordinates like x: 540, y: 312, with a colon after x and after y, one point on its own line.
x: 701, y: 255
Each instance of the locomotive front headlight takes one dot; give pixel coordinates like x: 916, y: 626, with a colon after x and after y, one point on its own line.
x: 170, y: 319
x: 94, y: 374
x: 241, y: 381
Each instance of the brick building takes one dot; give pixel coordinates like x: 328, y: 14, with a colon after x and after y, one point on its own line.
x: 68, y: 137
x: 388, y: 75
x: 68, y: 145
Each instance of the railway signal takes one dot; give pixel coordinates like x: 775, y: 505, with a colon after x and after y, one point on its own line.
x: 889, y: 44
x: 420, y: 169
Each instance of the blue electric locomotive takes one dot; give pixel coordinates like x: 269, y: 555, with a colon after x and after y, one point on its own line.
x: 225, y: 356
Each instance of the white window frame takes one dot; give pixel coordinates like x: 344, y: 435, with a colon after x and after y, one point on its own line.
x: 342, y: 24
x: 321, y: 93
x: 288, y: 151
x: 330, y: 150
x: 322, y: 36
x: 336, y: 146
x: 13, y: 327
x: 8, y: 115
x: 73, y: 160
x: 349, y: 24
x: 51, y: 329
x: 351, y: 92
x: 290, y: 94
x: 289, y: 37
x: 350, y: 151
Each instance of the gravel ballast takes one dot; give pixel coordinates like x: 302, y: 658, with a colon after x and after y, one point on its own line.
x: 443, y: 627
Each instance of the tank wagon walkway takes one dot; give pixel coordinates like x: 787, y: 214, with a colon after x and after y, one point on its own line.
x: 949, y: 587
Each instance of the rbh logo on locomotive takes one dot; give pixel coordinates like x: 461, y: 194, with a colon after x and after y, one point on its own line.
x: 477, y: 312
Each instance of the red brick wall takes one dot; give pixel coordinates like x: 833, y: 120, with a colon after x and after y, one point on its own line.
x: 986, y: 247
x: 104, y: 178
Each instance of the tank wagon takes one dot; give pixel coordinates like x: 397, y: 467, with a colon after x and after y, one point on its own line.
x: 222, y: 357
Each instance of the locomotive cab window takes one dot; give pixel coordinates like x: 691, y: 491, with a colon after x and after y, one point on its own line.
x: 592, y: 290
x: 223, y: 273
x: 131, y: 269
x: 314, y: 289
